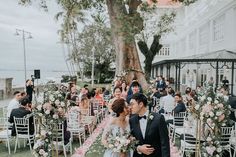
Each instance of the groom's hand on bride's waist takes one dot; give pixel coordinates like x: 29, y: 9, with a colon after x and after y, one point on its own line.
x: 145, y: 149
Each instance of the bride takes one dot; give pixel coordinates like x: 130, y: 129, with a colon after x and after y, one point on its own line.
x: 118, y: 124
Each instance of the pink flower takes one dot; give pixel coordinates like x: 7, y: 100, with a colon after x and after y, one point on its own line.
x: 220, y: 105
x: 207, y: 108
x: 210, y: 150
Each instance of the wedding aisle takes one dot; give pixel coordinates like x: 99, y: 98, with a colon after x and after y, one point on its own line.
x: 92, y: 146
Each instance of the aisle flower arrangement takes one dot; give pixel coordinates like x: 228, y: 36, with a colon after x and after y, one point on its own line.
x: 213, y: 110
x: 47, y: 114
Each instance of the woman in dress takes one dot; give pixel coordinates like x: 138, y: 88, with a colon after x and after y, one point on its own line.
x: 116, y: 95
x: 118, y: 124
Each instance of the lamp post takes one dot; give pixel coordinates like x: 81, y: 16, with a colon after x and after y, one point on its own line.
x: 24, y: 33
x: 93, y: 62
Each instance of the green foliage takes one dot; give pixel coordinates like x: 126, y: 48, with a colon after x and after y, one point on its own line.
x: 96, y: 37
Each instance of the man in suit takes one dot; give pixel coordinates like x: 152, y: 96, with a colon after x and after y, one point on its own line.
x: 21, y: 112
x: 149, y: 129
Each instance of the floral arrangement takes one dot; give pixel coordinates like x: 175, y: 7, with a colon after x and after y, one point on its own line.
x: 48, y: 113
x: 213, y: 110
x: 120, y: 143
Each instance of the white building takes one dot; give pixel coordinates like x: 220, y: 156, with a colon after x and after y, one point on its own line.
x: 203, y: 29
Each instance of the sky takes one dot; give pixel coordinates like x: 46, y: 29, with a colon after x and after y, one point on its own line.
x: 43, y: 51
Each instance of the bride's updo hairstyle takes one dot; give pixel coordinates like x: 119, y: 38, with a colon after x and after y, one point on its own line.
x: 118, y: 106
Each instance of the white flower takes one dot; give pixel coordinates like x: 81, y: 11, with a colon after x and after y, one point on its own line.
x: 55, y: 116
x: 219, y: 150
x: 47, y: 112
x: 218, y: 113
x: 39, y: 107
x: 43, y: 132
x: 63, y: 104
x: 209, y: 139
x: 211, y: 114
x: 203, y: 98
x: 151, y: 117
x: 226, y: 98
x: 201, y: 118
x: 197, y: 107
x: 209, y: 99
x: 208, y: 103
x: 57, y: 102
x: 51, y: 98
x: 45, y: 154
x: 216, y: 101
x: 37, y: 135
x: 41, y: 152
x: 40, y: 114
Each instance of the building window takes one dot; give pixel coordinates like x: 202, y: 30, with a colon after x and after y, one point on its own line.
x: 164, y: 51
x: 218, y: 28
x: 204, y: 35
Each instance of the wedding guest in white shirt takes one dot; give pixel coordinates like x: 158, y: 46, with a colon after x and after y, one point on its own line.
x: 14, y: 103
x: 168, y: 101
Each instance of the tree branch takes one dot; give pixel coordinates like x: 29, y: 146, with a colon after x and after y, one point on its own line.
x: 143, y: 47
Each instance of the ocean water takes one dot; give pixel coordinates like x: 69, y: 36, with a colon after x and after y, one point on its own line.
x: 19, y: 76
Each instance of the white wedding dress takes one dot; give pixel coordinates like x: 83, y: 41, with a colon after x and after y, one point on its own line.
x: 114, y: 129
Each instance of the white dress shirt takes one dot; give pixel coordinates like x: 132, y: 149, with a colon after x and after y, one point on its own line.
x: 143, y: 124
x: 12, y: 105
x: 168, y: 103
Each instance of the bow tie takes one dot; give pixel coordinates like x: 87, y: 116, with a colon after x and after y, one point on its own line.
x: 140, y: 117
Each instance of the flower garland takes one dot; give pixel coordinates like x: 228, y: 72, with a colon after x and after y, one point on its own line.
x: 49, y: 113
x: 213, y: 110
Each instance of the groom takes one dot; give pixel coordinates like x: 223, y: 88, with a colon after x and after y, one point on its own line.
x: 149, y: 129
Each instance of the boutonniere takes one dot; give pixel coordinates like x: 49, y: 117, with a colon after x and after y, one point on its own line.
x: 150, y: 116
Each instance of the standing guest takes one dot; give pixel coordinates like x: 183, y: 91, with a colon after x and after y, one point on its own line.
x: 116, y: 95
x: 187, y: 96
x: 29, y: 89
x: 161, y: 85
x: 14, y: 103
x: 211, y: 81
x: 124, y: 90
x: 134, y: 82
x: 21, y: 112
x: 135, y: 88
x: 99, y: 97
x: 225, y: 83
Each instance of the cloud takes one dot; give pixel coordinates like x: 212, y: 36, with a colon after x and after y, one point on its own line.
x: 42, y: 51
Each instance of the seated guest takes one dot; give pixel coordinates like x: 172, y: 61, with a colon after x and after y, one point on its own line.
x: 14, y: 103
x: 67, y: 134
x: 179, y: 106
x: 22, y: 112
x: 168, y: 101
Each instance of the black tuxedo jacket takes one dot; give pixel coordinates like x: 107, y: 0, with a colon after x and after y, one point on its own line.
x: 20, y: 113
x: 156, y: 135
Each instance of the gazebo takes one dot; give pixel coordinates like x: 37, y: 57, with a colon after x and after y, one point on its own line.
x: 222, y: 59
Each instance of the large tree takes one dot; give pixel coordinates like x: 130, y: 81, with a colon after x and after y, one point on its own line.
x: 125, y: 22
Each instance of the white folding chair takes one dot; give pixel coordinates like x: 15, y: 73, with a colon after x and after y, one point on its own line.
x: 233, y: 140
x: 22, y: 127
x: 58, y: 138
x: 189, y: 143
x: 75, y: 126
x: 5, y: 133
x: 98, y: 110
x: 178, y: 122
x: 226, y: 133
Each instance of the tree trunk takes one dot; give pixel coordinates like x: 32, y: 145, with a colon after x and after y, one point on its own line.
x: 127, y: 59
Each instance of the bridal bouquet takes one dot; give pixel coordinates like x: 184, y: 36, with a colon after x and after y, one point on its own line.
x: 121, y: 142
